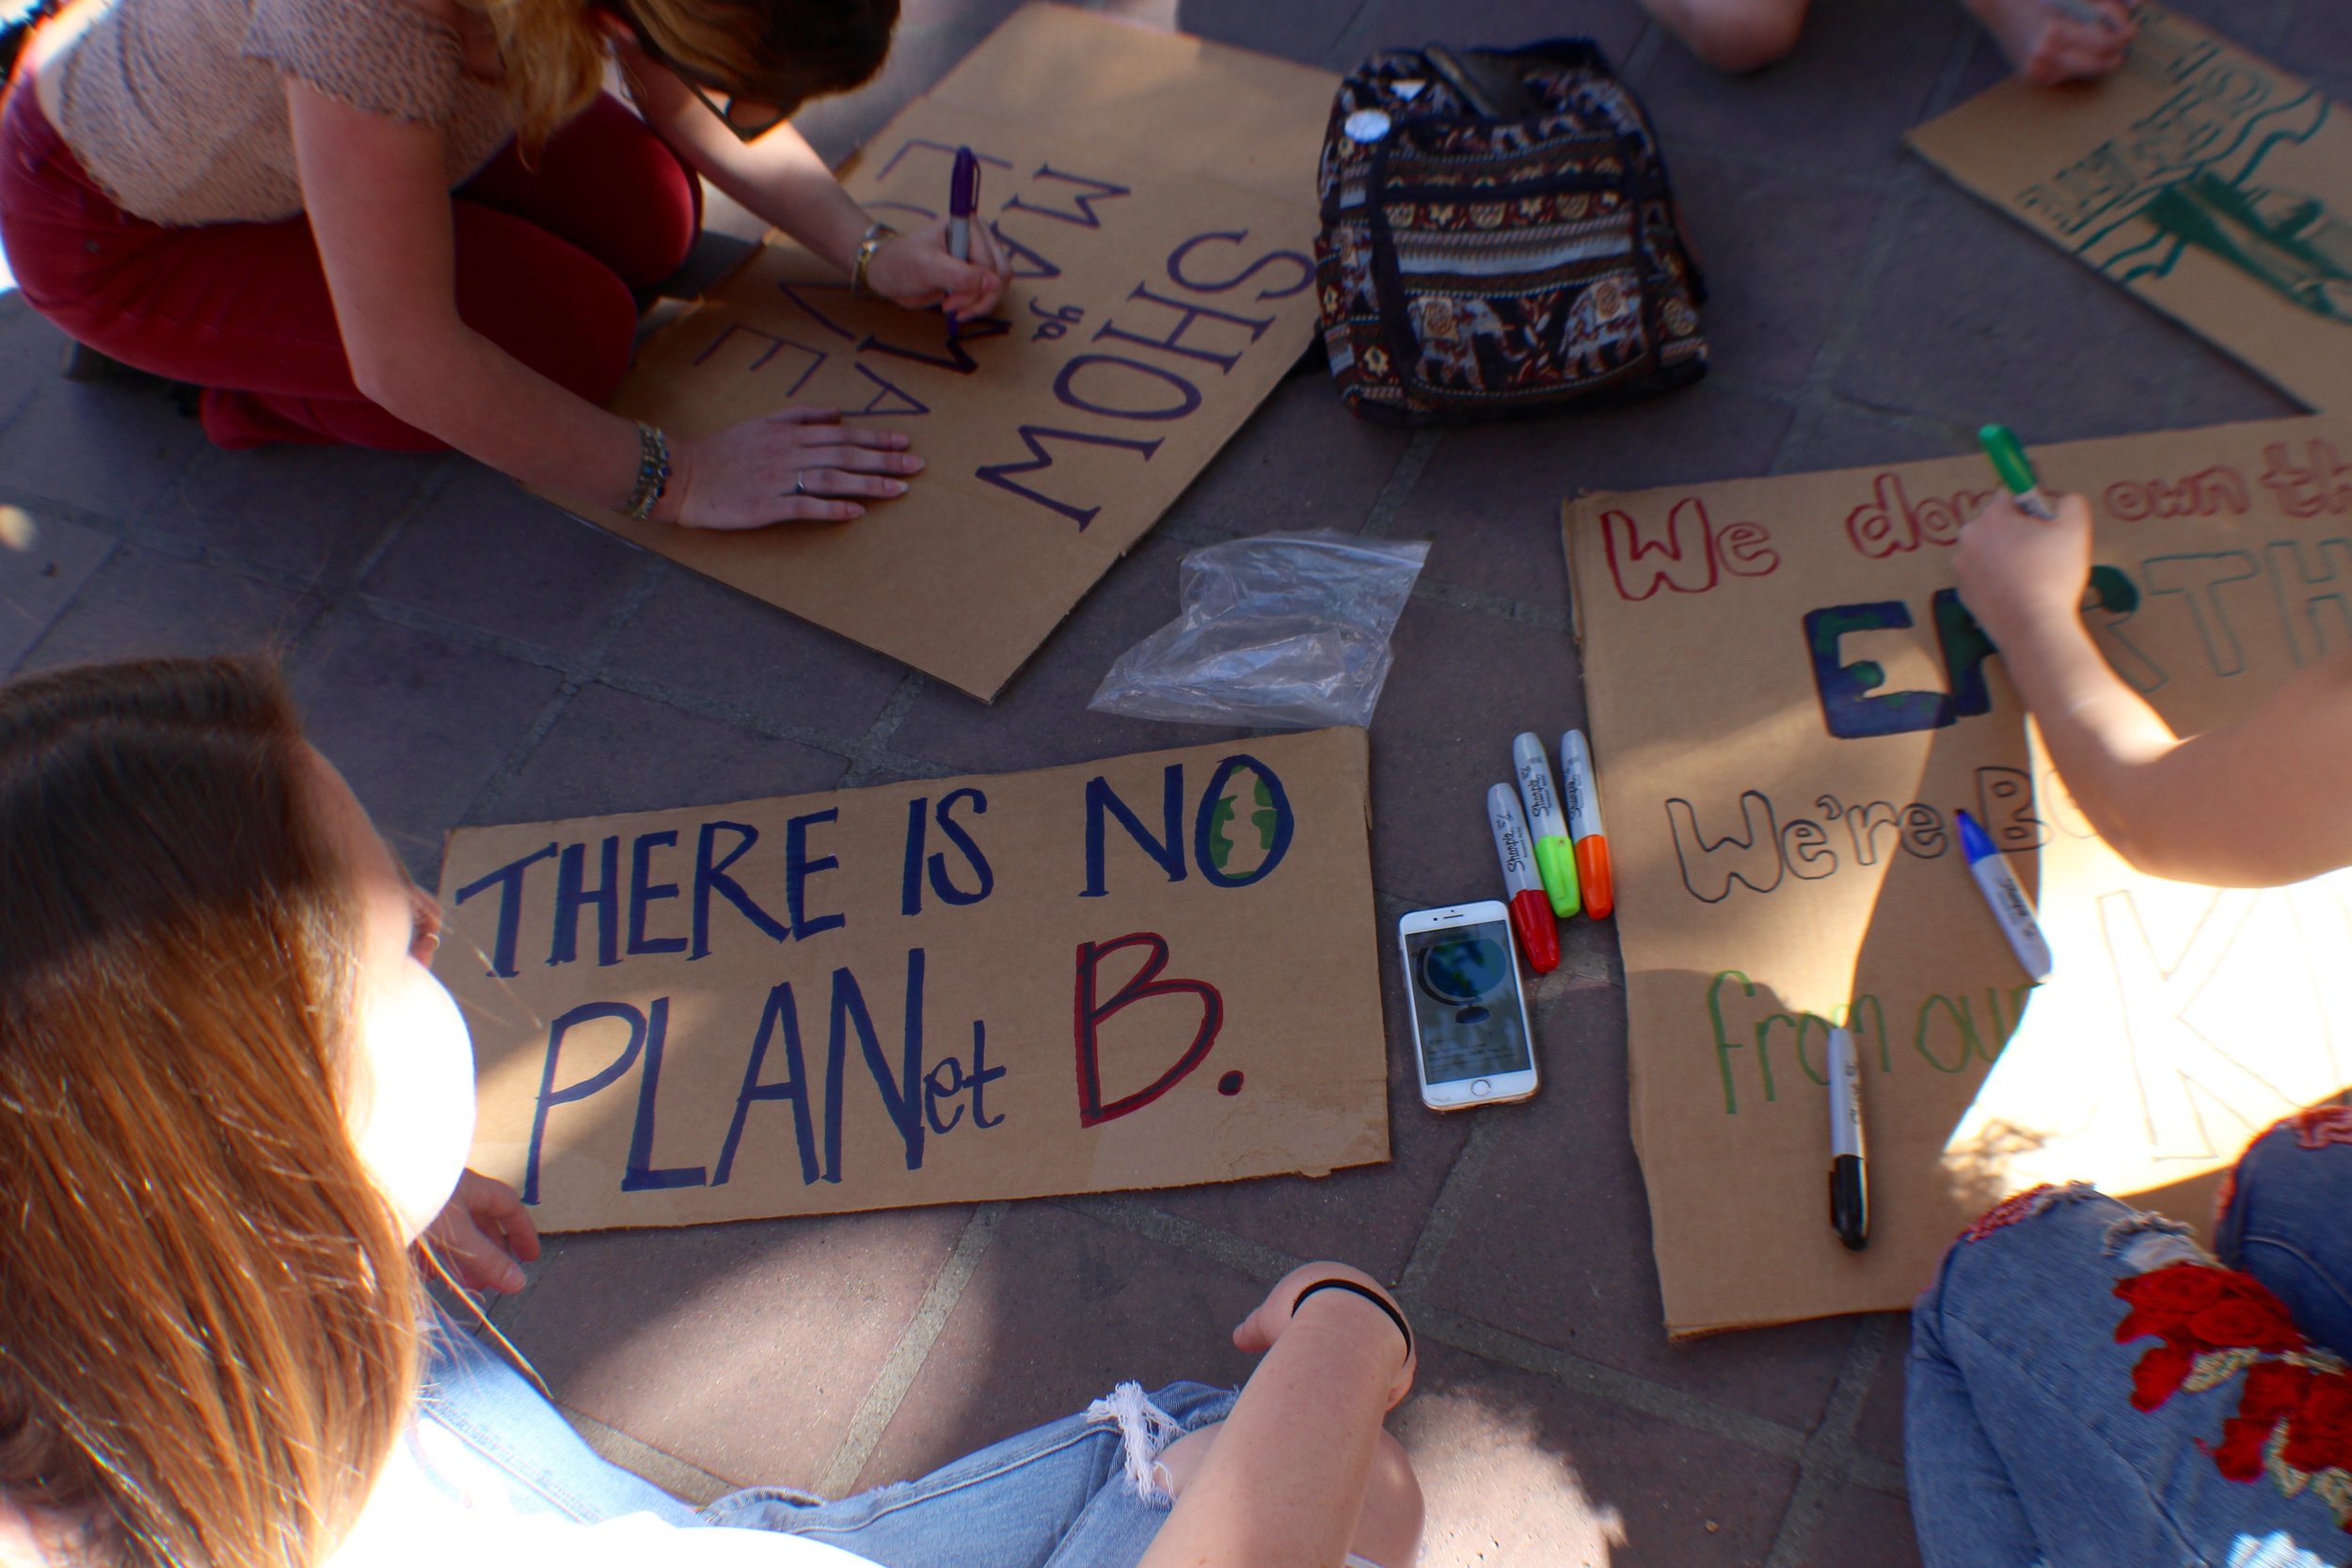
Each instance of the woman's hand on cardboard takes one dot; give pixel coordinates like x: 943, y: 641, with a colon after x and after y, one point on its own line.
x: 485, y: 1235
x: 797, y: 465
x: 914, y: 270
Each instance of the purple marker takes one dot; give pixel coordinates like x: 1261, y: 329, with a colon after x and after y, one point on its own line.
x: 963, y: 201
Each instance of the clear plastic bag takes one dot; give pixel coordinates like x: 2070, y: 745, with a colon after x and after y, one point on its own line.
x: 1283, y: 630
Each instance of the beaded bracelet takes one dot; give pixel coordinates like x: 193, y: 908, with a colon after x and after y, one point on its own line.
x: 1371, y: 1295
x: 653, y: 471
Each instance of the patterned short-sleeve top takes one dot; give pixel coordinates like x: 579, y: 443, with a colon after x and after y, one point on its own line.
x: 178, y: 109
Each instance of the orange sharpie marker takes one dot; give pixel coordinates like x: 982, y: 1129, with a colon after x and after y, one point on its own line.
x: 1579, y: 795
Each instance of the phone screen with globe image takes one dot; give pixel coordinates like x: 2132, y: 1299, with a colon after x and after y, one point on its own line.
x: 1466, y: 1002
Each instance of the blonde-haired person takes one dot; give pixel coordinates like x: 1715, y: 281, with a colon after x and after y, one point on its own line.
x: 418, y: 224
x: 231, y: 1094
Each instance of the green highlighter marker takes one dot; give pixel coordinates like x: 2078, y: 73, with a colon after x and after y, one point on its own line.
x: 2009, y: 461
x: 1555, y: 859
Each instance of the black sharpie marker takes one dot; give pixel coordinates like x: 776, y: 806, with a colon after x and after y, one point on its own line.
x: 1848, y: 1186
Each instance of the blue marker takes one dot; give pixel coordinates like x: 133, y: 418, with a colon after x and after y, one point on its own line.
x: 2000, y: 885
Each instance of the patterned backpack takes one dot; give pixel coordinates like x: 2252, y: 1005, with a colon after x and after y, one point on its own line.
x: 1499, y: 238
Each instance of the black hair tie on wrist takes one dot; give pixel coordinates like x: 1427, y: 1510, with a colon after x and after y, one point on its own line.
x: 1369, y: 1294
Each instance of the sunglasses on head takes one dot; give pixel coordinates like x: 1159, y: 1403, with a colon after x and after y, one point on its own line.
x: 749, y: 117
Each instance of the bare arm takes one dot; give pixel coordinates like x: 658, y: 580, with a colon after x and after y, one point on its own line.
x: 377, y: 196
x: 378, y: 206
x: 1283, y: 1484
x: 2266, y: 801
x: 780, y: 177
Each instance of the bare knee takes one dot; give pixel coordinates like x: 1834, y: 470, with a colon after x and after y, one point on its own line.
x: 1734, y: 35
x: 1388, y: 1531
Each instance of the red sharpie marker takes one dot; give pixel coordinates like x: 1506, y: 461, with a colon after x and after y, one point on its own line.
x: 1522, y: 883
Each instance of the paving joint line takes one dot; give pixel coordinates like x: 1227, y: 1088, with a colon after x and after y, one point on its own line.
x: 428, y: 491
x: 871, y: 750
x: 1477, y: 601
x: 906, y: 1358
x: 73, y: 599
x: 1828, y: 1456
x: 1389, y: 505
x: 1445, y: 1213
x: 1347, y: 50
x: 1906, y: 189
x: 681, y: 1479
x: 1135, y: 1213
x: 1599, y: 1380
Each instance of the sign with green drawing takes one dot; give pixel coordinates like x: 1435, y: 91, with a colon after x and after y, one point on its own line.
x: 1148, y: 972
x: 1791, y: 709
x: 2208, y: 182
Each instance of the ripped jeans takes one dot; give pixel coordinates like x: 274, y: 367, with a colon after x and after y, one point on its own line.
x: 2216, y: 1429
x: 1064, y: 1495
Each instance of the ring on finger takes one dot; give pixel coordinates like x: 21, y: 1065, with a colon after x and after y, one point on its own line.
x: 800, y: 484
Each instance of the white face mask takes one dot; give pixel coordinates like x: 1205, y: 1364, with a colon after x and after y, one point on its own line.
x: 412, y: 1107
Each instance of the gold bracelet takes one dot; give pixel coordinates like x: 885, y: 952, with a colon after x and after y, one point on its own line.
x: 876, y: 237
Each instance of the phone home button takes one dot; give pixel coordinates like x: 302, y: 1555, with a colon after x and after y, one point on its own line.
x: 1480, y: 1088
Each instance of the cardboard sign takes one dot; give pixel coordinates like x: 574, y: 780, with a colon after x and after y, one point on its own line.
x: 2208, y: 182
x: 1155, y: 196
x: 1788, y: 706
x: 1143, y: 972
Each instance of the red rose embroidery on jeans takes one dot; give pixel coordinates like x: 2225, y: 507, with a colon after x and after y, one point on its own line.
x: 2293, y: 1418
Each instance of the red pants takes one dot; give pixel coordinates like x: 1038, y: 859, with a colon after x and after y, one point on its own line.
x: 546, y: 260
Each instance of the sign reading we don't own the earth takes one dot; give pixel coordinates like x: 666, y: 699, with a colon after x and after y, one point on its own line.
x: 1155, y: 195
x: 1790, y: 707
x: 1148, y: 972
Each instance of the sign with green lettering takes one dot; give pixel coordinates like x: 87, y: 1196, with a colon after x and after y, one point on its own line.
x: 1791, y: 708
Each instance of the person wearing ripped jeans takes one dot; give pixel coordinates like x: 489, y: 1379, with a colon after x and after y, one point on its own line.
x: 2088, y: 1385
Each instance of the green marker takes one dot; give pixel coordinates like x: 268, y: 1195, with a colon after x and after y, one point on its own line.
x: 1555, y: 859
x: 2009, y: 461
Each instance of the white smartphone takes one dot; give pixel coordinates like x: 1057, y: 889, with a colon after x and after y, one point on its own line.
x: 1470, y: 1039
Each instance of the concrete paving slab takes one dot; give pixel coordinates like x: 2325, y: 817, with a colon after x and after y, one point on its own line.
x: 1465, y: 682
x: 1061, y: 1309
x: 1963, y: 323
x: 419, y: 725
x: 486, y: 553
x: 1878, y: 1430
x: 703, y: 639
x: 143, y: 604
x: 30, y: 352
x: 1778, y: 246
x: 104, y: 449
x: 1876, y: 61
x: 311, y: 513
x: 1863, y: 1529
x: 1041, y: 717
x: 1616, y: 25
x: 613, y: 751
x: 39, y: 580
x: 1491, y: 496
x: 1553, y: 1241
x: 1518, y: 1469
x: 1302, y: 461
x: 744, y: 1349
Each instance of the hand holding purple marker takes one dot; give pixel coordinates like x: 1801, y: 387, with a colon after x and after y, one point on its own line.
x: 963, y: 201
